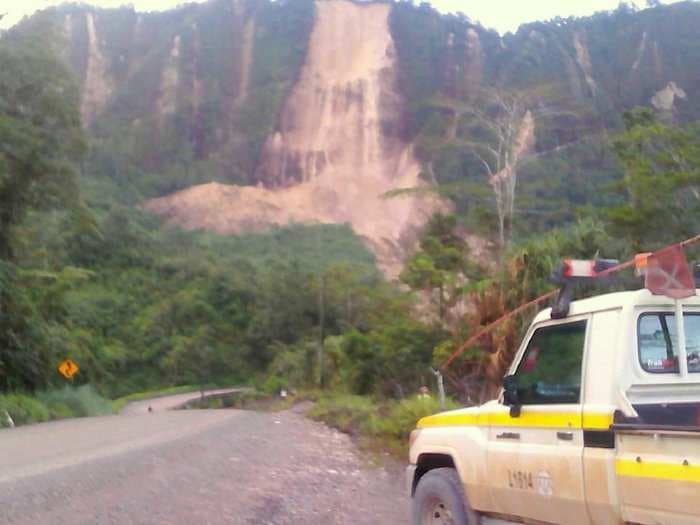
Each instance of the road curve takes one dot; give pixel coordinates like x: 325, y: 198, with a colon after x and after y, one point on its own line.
x: 192, y: 467
x: 158, y: 404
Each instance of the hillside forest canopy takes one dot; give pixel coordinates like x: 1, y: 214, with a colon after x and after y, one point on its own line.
x: 85, y: 273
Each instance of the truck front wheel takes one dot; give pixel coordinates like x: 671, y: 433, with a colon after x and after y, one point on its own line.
x: 439, y: 500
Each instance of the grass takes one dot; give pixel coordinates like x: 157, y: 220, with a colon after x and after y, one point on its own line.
x: 49, y: 405
x: 82, y: 401
x: 376, y: 425
x: 21, y: 409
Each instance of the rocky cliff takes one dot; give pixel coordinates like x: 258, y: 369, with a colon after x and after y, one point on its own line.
x: 336, y: 152
x: 468, y: 90
x: 238, y: 114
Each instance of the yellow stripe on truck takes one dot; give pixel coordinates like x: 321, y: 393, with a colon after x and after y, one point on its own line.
x: 597, y: 421
x: 572, y: 420
x: 656, y: 470
x: 453, y: 420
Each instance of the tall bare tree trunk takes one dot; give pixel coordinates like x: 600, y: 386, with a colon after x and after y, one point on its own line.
x: 513, y: 127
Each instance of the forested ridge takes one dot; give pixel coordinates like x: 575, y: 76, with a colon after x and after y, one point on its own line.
x: 470, y: 91
x: 86, y: 273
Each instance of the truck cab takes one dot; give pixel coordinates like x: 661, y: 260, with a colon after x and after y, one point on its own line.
x: 598, y: 423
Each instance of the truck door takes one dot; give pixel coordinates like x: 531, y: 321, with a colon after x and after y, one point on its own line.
x: 535, y: 459
x: 658, y: 453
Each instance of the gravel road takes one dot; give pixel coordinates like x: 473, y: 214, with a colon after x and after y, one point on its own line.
x: 174, y: 401
x: 193, y: 467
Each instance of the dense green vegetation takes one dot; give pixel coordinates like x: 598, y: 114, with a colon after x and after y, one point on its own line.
x: 659, y: 195
x: 441, y: 266
x: 662, y: 177
x: 40, y: 136
x: 140, y: 307
x: 150, y: 306
x: 21, y: 409
x: 86, y: 273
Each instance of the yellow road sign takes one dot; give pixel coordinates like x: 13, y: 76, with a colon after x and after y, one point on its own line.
x: 68, y: 368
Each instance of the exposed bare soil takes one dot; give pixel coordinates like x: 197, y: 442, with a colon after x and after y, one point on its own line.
x: 337, y: 151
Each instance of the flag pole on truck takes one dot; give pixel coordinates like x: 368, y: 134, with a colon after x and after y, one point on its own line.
x: 666, y: 272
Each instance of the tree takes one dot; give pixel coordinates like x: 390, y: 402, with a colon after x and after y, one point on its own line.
x: 661, y: 185
x: 40, y: 140
x: 523, y: 276
x: 441, y: 263
x: 511, y: 127
x: 40, y: 132
x: 489, y: 135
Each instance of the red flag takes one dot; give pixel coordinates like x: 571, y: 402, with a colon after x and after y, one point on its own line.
x: 668, y: 273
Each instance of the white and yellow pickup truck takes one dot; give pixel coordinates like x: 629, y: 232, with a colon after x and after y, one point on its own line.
x: 598, y: 422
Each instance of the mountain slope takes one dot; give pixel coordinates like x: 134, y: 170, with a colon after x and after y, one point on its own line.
x: 172, y: 89
x: 314, y: 109
x: 334, y: 155
x: 465, y: 86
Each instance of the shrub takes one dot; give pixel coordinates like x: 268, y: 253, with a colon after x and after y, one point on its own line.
x: 77, y: 402
x: 404, y: 415
x: 273, y: 385
x: 59, y: 410
x: 354, y: 415
x: 380, y: 425
x: 22, y: 409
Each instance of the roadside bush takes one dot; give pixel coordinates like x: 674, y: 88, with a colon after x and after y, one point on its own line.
x: 273, y: 385
x: 22, y: 409
x: 59, y: 410
x: 74, y: 402
x: 378, y: 425
x: 404, y: 415
x: 354, y: 415
x: 246, y: 398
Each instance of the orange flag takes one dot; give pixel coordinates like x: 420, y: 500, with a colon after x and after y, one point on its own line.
x: 668, y: 273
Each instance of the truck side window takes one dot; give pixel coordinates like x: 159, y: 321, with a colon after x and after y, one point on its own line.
x: 550, y: 370
x: 657, y: 340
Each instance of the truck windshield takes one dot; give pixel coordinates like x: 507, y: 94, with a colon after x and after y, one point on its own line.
x: 658, y: 342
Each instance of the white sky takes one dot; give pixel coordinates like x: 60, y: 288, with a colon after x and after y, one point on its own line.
x: 503, y: 15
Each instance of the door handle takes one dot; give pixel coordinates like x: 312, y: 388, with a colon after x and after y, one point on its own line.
x: 565, y: 436
x: 508, y: 435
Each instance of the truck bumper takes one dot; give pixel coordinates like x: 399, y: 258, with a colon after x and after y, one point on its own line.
x: 410, y: 476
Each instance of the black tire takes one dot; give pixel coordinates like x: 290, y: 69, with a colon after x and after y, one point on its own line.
x: 439, y: 499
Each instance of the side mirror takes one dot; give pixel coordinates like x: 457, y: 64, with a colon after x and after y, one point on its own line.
x: 510, y: 395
